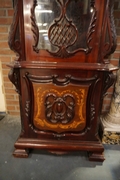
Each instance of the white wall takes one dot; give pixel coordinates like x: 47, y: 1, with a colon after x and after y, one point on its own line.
x: 2, y: 99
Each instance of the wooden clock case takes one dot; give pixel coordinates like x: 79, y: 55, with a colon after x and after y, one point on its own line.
x: 61, y: 78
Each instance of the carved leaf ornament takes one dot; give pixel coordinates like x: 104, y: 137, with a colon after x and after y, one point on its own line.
x: 60, y: 109
x: 62, y: 32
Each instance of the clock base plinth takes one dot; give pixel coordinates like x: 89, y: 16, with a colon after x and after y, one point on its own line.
x: 61, y: 147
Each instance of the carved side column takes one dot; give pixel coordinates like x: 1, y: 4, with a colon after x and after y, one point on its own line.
x: 111, y: 121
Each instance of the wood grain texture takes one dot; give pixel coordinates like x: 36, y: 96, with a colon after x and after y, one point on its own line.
x: 61, y: 92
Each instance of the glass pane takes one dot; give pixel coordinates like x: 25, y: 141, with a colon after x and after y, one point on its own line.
x: 46, y: 11
x: 80, y: 12
x: 63, y: 24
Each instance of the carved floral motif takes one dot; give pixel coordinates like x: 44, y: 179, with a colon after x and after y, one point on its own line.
x: 59, y: 109
x: 63, y: 33
x: 59, y: 113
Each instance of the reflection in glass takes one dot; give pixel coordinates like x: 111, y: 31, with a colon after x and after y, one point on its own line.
x: 79, y: 12
x: 46, y: 11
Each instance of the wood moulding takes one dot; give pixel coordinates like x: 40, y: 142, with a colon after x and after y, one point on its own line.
x: 95, y: 152
x: 63, y: 65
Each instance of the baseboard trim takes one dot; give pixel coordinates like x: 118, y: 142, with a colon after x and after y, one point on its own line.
x: 2, y: 115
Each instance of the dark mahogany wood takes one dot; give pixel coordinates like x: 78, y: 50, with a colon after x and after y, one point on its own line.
x: 61, y: 75
x: 23, y: 153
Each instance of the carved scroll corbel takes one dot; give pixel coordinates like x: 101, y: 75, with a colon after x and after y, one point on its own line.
x: 109, y: 80
x: 14, y: 78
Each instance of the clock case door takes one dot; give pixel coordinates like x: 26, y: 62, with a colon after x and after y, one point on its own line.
x: 88, y: 31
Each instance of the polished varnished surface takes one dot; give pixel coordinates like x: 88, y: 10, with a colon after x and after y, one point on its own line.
x: 63, y: 112
x: 62, y: 73
x: 57, y: 29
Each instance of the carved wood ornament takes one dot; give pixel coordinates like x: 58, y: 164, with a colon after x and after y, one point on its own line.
x: 34, y: 29
x: 63, y: 33
x: 61, y: 73
x: 60, y: 109
x: 14, y: 78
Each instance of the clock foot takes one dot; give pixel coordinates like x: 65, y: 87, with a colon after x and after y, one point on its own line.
x: 21, y: 153
x: 96, y: 156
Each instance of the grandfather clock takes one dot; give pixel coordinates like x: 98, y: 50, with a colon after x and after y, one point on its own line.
x: 61, y: 72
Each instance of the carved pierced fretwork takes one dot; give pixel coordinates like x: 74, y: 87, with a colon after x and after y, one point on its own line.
x: 14, y: 35
x: 63, y: 33
x: 59, y: 109
x: 62, y: 37
x: 34, y: 28
x: 14, y: 78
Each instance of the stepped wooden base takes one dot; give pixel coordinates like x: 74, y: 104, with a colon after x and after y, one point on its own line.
x: 21, y: 153
x: 94, y: 156
x: 95, y: 149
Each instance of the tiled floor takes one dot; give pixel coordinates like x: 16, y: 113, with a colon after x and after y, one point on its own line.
x: 44, y: 166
